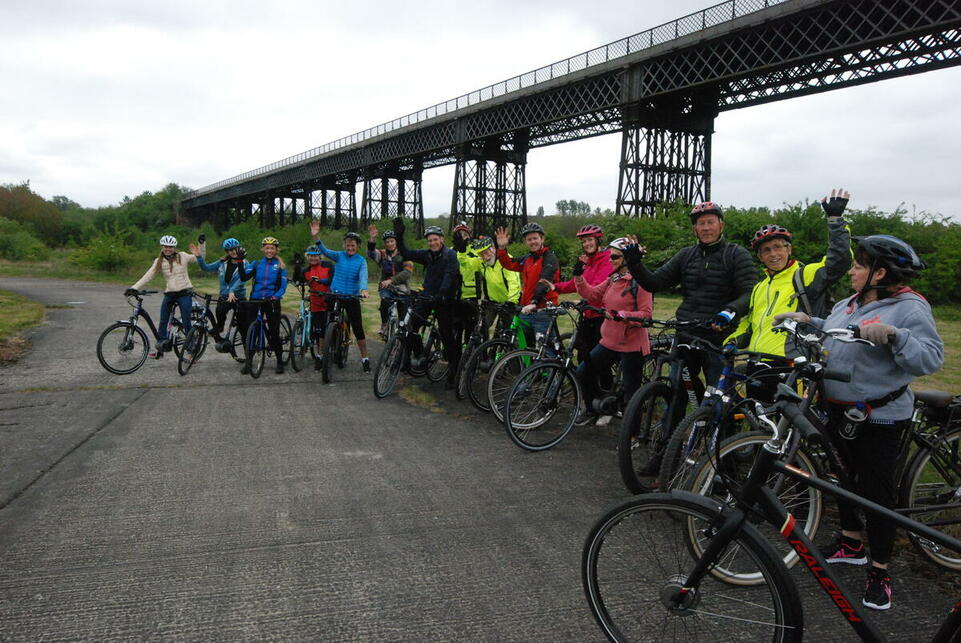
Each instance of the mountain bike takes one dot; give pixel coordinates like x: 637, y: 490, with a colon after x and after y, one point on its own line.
x: 656, y: 408
x: 195, y: 343
x: 396, y: 355
x: 478, y: 366
x: 256, y: 345
x: 337, y: 334
x: 651, y: 566
x: 123, y: 346
x: 301, y: 335
x: 478, y: 336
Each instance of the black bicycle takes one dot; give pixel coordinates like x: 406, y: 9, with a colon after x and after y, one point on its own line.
x: 123, y: 346
x: 337, y: 334
x: 195, y: 343
x: 397, y: 355
x: 256, y: 345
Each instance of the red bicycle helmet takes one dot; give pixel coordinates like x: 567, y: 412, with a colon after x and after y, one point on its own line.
x: 708, y: 207
x: 767, y: 232
x: 590, y: 230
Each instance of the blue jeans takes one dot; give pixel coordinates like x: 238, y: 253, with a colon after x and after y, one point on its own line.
x: 185, y: 301
x: 540, y: 323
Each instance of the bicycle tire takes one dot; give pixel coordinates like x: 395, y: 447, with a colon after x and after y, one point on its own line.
x: 122, y: 348
x: 192, y: 349
x: 643, y: 436
x: 389, y: 365
x: 235, y: 343
x: 636, y: 558
x: 460, y: 388
x: 255, y: 349
x: 178, y: 336
x: 284, y: 334
x: 502, y: 378
x: 805, y: 503
x: 298, y: 347
x: 435, y: 364
x: 681, y: 456
x: 331, y: 339
x: 478, y: 368
x: 933, y: 477
x: 343, y: 344
x: 542, y: 406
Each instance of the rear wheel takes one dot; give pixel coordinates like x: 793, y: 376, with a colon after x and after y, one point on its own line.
x: 299, y: 345
x: 644, y: 434
x: 636, y: 561
x: 255, y: 349
x: 286, y: 343
x: 331, y: 350
x: 343, y: 344
x: 389, y: 366
x: 542, y: 406
x: 434, y: 354
x: 933, y: 479
x: 699, y: 431
x: 478, y: 368
x: 122, y: 348
x: 235, y: 343
x: 193, y: 347
x: 502, y: 378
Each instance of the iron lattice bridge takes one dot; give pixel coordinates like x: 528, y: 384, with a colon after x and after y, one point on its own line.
x: 661, y: 88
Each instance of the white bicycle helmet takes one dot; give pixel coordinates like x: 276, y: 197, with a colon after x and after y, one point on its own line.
x: 168, y: 240
x: 621, y: 243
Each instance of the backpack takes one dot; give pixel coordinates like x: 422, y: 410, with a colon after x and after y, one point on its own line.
x: 804, y: 302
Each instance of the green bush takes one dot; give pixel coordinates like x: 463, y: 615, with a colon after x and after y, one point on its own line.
x: 18, y: 244
x: 107, y: 251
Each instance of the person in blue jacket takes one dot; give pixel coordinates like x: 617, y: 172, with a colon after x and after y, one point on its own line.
x: 232, y: 289
x: 269, y: 275
x: 350, y: 278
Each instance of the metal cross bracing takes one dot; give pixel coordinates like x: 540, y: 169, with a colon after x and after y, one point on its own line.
x: 733, y: 55
x: 490, y: 186
x: 394, y: 191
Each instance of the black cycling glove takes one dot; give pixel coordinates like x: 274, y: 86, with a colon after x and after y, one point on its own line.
x: 130, y: 291
x: 241, y: 252
x: 201, y: 239
x: 459, y: 242
x: 578, y: 268
x: 632, y: 254
x: 399, y: 227
x: 834, y: 207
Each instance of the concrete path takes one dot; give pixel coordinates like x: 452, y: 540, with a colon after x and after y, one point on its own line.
x: 217, y: 507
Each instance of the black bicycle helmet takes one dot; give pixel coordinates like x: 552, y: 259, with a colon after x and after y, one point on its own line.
x: 433, y: 230
x: 388, y: 234
x: 352, y: 235
x: 893, y: 254
x: 531, y: 227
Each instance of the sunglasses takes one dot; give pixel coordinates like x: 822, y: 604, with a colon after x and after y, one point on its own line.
x: 614, y: 256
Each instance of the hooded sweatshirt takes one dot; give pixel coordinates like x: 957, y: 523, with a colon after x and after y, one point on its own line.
x: 596, y: 270
x: 615, y: 294
x: 878, y: 370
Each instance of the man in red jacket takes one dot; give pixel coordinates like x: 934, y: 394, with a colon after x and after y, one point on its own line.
x: 538, y: 266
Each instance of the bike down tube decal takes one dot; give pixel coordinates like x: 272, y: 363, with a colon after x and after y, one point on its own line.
x: 788, y: 526
x: 837, y: 596
x: 800, y: 472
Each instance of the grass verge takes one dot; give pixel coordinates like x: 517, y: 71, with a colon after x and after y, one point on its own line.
x: 16, y: 314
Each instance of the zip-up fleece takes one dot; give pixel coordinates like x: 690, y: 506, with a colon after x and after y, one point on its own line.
x: 234, y: 284
x: 533, y: 267
x: 350, y: 276
x: 596, y: 270
x: 270, y: 280
x: 614, y: 294
x: 174, y: 272
x: 878, y: 370
x: 776, y: 294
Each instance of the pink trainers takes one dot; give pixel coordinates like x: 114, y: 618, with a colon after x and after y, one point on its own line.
x: 877, y: 589
x: 845, y: 553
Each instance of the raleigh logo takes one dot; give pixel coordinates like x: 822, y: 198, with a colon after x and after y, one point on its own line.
x: 833, y: 590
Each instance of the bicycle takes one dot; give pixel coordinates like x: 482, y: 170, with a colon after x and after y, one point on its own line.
x: 396, y: 352
x: 543, y: 403
x: 301, y: 336
x: 478, y: 365
x: 705, y: 536
x: 256, y: 346
x: 478, y: 336
x: 123, y: 346
x: 337, y: 334
x: 234, y: 337
x: 195, y: 343
x: 656, y: 408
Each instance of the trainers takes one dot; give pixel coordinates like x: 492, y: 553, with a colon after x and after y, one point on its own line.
x: 366, y: 364
x: 845, y: 553
x: 318, y: 363
x: 584, y: 418
x: 155, y: 354
x: 877, y: 589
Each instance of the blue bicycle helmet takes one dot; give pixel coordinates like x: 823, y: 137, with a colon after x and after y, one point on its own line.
x: 230, y: 244
x: 312, y: 250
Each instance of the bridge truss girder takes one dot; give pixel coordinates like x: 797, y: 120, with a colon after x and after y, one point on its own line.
x: 490, y: 187
x: 394, y: 190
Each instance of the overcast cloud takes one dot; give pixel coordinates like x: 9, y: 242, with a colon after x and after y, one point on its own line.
x: 112, y: 98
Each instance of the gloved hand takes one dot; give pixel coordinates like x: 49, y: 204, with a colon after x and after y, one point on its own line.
x: 241, y: 253
x: 298, y: 259
x: 878, y: 333
x: 799, y: 316
x: 633, y: 254
x: 130, y: 291
x: 399, y: 227
x: 834, y: 207
x: 578, y: 268
x: 459, y: 243
x: 201, y: 239
x: 724, y: 318
x: 729, y: 349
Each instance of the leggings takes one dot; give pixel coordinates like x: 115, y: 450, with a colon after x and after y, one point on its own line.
x: 599, y: 362
x: 872, y: 459
x: 352, y: 308
x: 271, y: 313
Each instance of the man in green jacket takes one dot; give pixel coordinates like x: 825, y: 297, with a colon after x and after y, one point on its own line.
x: 497, y: 284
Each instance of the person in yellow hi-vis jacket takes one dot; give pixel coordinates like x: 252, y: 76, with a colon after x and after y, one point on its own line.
x: 497, y: 284
x: 790, y: 285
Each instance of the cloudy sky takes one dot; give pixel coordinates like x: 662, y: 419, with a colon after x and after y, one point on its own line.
x: 107, y: 98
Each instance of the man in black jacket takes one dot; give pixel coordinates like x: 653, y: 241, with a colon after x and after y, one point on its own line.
x: 441, y: 284
x: 716, y: 279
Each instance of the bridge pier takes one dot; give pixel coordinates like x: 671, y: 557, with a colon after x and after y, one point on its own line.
x: 393, y: 191
x: 665, y: 155
x: 490, y: 188
x: 333, y: 202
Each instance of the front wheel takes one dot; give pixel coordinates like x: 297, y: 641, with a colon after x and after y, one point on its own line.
x: 255, y: 351
x: 644, y: 435
x: 286, y: 343
x: 235, y: 343
x: 122, y: 348
x: 389, y: 366
x: 331, y: 349
x: 193, y: 347
x: 542, y: 406
x: 933, y: 479
x: 478, y: 368
x: 435, y: 363
x: 298, y: 345
x: 502, y: 378
x: 636, y: 561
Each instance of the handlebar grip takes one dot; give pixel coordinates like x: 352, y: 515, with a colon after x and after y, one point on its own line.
x: 794, y: 414
x: 855, y: 330
x: 837, y: 376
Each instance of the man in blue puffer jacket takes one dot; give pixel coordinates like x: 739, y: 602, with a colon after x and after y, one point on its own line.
x: 350, y: 278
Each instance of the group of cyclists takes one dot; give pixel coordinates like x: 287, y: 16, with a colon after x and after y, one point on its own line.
x: 719, y: 283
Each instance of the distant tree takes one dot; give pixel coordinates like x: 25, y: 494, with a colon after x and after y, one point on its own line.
x: 562, y: 208
x: 20, y: 203
x: 540, y: 212
x: 64, y: 204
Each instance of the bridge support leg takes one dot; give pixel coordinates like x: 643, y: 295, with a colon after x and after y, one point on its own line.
x: 665, y: 156
x: 490, y: 187
x: 393, y: 191
x: 333, y: 202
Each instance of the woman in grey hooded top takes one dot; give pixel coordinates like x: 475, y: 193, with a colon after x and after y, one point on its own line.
x: 871, y: 411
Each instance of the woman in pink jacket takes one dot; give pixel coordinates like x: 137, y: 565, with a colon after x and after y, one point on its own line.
x: 623, y: 299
